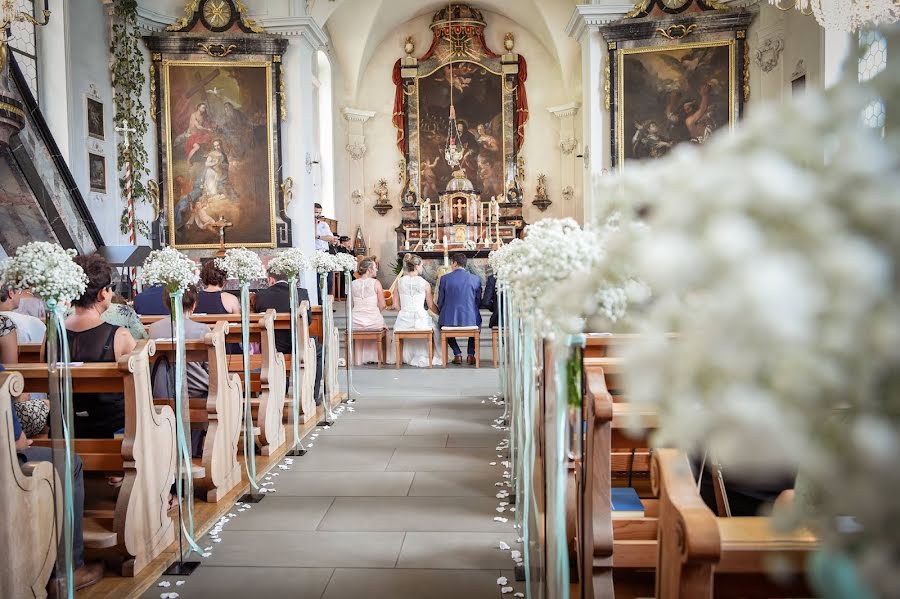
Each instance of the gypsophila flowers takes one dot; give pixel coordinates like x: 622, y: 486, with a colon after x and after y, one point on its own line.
x: 291, y: 262
x: 171, y: 269
x: 47, y: 270
x: 242, y: 264
x: 345, y: 262
x: 323, y: 262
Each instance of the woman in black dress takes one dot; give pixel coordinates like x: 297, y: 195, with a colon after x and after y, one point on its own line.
x: 213, y: 300
x: 97, y: 415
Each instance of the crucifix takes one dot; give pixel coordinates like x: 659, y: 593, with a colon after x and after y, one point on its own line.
x: 459, y: 205
x: 221, y: 225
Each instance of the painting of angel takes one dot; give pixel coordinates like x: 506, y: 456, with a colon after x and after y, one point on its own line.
x: 673, y: 95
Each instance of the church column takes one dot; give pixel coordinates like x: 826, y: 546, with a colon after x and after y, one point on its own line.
x: 568, y: 172
x: 356, y: 175
x: 595, y: 117
x: 299, y: 141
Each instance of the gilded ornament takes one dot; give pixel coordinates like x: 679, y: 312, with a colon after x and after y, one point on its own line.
x: 287, y: 191
x: 746, y: 71
x: 153, y: 91
x: 216, y: 50
x: 607, y: 86
x: 248, y: 22
x: 153, y: 196
x: 282, y: 94
x: 409, y: 46
x: 217, y: 12
x: 509, y: 41
x: 639, y: 7
x: 182, y: 22
x: 677, y: 32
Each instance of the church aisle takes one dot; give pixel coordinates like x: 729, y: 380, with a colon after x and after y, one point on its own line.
x: 396, y: 500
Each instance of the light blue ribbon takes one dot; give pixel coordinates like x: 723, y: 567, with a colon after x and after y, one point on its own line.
x: 326, y: 344
x: 249, y: 438
x: 295, y: 361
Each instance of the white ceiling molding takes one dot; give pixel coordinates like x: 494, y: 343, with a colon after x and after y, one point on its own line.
x: 594, y: 15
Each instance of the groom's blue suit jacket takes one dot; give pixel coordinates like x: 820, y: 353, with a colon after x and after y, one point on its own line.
x: 459, y: 295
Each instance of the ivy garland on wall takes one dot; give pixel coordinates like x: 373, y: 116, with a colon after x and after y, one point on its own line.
x: 128, y: 83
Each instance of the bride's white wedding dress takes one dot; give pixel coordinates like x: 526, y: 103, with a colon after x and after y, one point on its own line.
x: 414, y: 317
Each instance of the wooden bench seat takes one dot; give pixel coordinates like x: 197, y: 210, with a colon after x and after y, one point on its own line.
x: 32, y: 500
x: 146, y: 454
x: 702, y: 555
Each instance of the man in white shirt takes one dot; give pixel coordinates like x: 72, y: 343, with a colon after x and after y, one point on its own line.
x: 28, y: 328
x: 324, y: 236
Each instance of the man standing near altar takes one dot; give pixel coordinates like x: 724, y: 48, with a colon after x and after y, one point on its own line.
x: 459, y: 296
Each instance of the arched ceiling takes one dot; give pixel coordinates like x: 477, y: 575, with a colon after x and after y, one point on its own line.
x: 358, y: 27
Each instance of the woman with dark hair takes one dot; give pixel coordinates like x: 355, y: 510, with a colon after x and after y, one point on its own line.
x: 212, y: 299
x: 97, y: 415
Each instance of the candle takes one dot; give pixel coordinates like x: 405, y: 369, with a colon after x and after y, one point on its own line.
x: 445, y: 241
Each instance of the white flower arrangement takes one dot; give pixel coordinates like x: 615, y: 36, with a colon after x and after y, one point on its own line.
x: 470, y: 245
x: 345, y: 262
x: 171, y: 269
x: 553, y: 250
x: 290, y: 262
x: 429, y: 246
x: 242, y: 264
x: 323, y: 263
x: 778, y: 268
x: 47, y: 270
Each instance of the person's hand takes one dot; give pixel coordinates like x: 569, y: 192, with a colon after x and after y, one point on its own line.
x: 23, y: 442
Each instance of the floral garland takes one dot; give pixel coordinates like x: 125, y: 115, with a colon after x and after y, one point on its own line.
x: 290, y: 262
x: 171, y: 269
x: 346, y: 262
x: 128, y: 82
x: 242, y: 264
x: 779, y: 271
x: 47, y: 270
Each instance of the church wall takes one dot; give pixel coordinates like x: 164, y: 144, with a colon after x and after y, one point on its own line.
x: 376, y: 93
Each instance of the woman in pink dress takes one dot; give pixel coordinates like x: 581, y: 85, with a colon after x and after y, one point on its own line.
x: 368, y: 302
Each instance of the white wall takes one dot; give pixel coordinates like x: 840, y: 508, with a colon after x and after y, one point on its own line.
x: 376, y: 93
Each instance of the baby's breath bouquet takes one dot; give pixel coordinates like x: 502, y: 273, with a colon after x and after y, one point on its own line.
x: 290, y: 262
x: 345, y: 262
x: 242, y: 264
x: 324, y: 263
x: 47, y: 270
x: 171, y: 269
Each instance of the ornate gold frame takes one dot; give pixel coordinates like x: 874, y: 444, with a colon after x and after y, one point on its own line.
x: 167, y: 130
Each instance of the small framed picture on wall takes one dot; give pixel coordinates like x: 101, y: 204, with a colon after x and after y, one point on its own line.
x: 95, y: 118
x: 97, y: 172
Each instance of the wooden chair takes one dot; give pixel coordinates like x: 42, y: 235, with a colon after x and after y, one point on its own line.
x: 32, y: 509
x: 376, y: 336
x: 401, y: 336
x: 221, y: 411
x: 702, y: 555
x: 146, y: 453
x: 495, y: 345
x: 461, y: 333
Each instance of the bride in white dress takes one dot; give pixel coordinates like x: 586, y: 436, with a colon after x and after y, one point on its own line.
x: 414, y: 293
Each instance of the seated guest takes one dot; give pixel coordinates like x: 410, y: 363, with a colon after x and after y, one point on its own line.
x: 9, y: 343
x: 32, y: 306
x: 746, y: 495
x: 368, y: 303
x: 97, y: 415
x: 197, y: 372
x: 212, y: 299
x: 120, y: 314
x: 84, y: 574
x: 489, y: 300
x: 149, y: 302
x: 278, y: 297
x: 28, y: 328
x: 32, y: 410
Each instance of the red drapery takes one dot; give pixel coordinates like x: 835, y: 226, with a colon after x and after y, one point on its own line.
x: 521, y: 103
x: 399, y: 118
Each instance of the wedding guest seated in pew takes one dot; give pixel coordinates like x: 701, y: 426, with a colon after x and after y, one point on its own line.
x: 368, y: 304
x: 213, y: 299
x: 121, y: 314
x: 32, y: 410
x: 489, y: 301
x: 97, y: 415
x: 149, y: 302
x: 277, y: 296
x: 197, y: 373
x: 744, y: 494
x: 28, y: 328
x: 9, y: 342
x: 85, y: 574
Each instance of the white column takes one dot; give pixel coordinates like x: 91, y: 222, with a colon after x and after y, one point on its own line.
x: 569, y: 197
x: 356, y: 175
x: 595, y: 117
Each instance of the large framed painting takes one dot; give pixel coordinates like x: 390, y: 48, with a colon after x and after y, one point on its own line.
x: 677, y: 73
x: 219, y: 153
x: 218, y: 98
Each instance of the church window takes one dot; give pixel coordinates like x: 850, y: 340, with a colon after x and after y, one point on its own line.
x: 20, y: 37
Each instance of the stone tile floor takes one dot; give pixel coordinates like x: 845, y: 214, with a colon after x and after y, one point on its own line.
x: 396, y: 500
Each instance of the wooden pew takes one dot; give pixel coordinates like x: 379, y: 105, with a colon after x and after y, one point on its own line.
x: 32, y: 509
x: 269, y: 407
x: 222, y: 411
x: 142, y: 527
x: 702, y: 555
x: 31, y: 353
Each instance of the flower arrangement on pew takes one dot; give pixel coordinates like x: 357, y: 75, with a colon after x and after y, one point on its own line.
x: 50, y: 273
x: 245, y: 266
x: 292, y: 263
x: 778, y: 269
x: 176, y: 272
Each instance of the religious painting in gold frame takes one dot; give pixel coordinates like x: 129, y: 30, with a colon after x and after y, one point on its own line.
x: 668, y: 95
x: 219, y: 131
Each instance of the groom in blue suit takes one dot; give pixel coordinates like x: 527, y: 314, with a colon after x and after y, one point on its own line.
x: 459, y: 295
